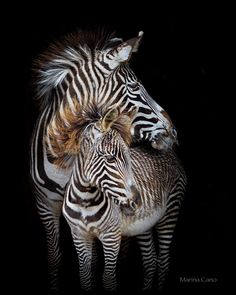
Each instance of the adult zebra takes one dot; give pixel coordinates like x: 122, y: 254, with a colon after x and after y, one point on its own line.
x: 117, y: 191
x: 84, y: 68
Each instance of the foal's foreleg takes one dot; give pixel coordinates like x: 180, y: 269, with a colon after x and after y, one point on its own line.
x: 111, y: 247
x: 84, y: 251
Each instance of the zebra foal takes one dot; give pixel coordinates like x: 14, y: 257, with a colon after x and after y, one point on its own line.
x: 116, y: 190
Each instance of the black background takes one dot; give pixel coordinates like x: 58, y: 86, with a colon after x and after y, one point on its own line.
x: 174, y: 64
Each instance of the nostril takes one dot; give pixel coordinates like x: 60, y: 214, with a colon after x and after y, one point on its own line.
x: 137, y: 199
x: 136, y: 195
x: 174, y: 132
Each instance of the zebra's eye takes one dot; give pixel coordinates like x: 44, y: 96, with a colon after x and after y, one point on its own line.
x: 134, y: 86
x: 110, y: 158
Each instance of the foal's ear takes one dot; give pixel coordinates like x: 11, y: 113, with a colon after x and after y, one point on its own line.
x: 126, y: 118
x: 123, y: 51
x: 132, y: 113
x: 108, y: 119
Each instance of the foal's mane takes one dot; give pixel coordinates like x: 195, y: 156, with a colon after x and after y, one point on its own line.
x: 65, y: 129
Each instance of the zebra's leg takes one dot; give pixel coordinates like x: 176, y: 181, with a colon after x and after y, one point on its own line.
x: 149, y: 258
x: 94, y: 263
x: 111, y: 247
x: 50, y: 213
x: 124, y: 248
x: 84, y: 249
x: 165, y: 231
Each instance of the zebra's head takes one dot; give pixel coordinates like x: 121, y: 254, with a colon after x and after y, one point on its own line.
x: 94, y: 67
x: 151, y: 121
x: 104, y: 148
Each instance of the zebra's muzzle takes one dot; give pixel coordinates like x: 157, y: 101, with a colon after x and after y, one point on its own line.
x: 135, y: 199
x: 165, y: 140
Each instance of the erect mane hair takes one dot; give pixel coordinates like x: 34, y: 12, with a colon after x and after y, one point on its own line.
x: 122, y: 125
x: 52, y: 66
x: 66, y: 128
x: 64, y: 131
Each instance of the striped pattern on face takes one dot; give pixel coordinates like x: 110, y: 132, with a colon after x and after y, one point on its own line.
x: 97, y: 73
x: 107, y: 163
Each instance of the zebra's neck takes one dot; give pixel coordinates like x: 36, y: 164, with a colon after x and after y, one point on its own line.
x: 92, y: 84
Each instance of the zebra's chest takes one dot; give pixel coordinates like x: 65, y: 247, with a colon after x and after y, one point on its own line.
x: 132, y: 226
x: 60, y: 176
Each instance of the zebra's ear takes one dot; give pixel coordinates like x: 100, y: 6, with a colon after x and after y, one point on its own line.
x: 123, y: 51
x: 109, y: 118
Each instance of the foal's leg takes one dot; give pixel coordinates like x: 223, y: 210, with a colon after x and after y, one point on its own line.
x: 84, y: 251
x: 94, y: 263
x: 111, y: 247
x: 124, y: 249
x: 149, y: 258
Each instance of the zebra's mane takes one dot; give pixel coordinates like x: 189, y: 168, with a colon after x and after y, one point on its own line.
x: 52, y: 66
x: 65, y: 130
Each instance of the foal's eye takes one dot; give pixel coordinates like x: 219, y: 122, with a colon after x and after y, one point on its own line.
x: 110, y: 158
